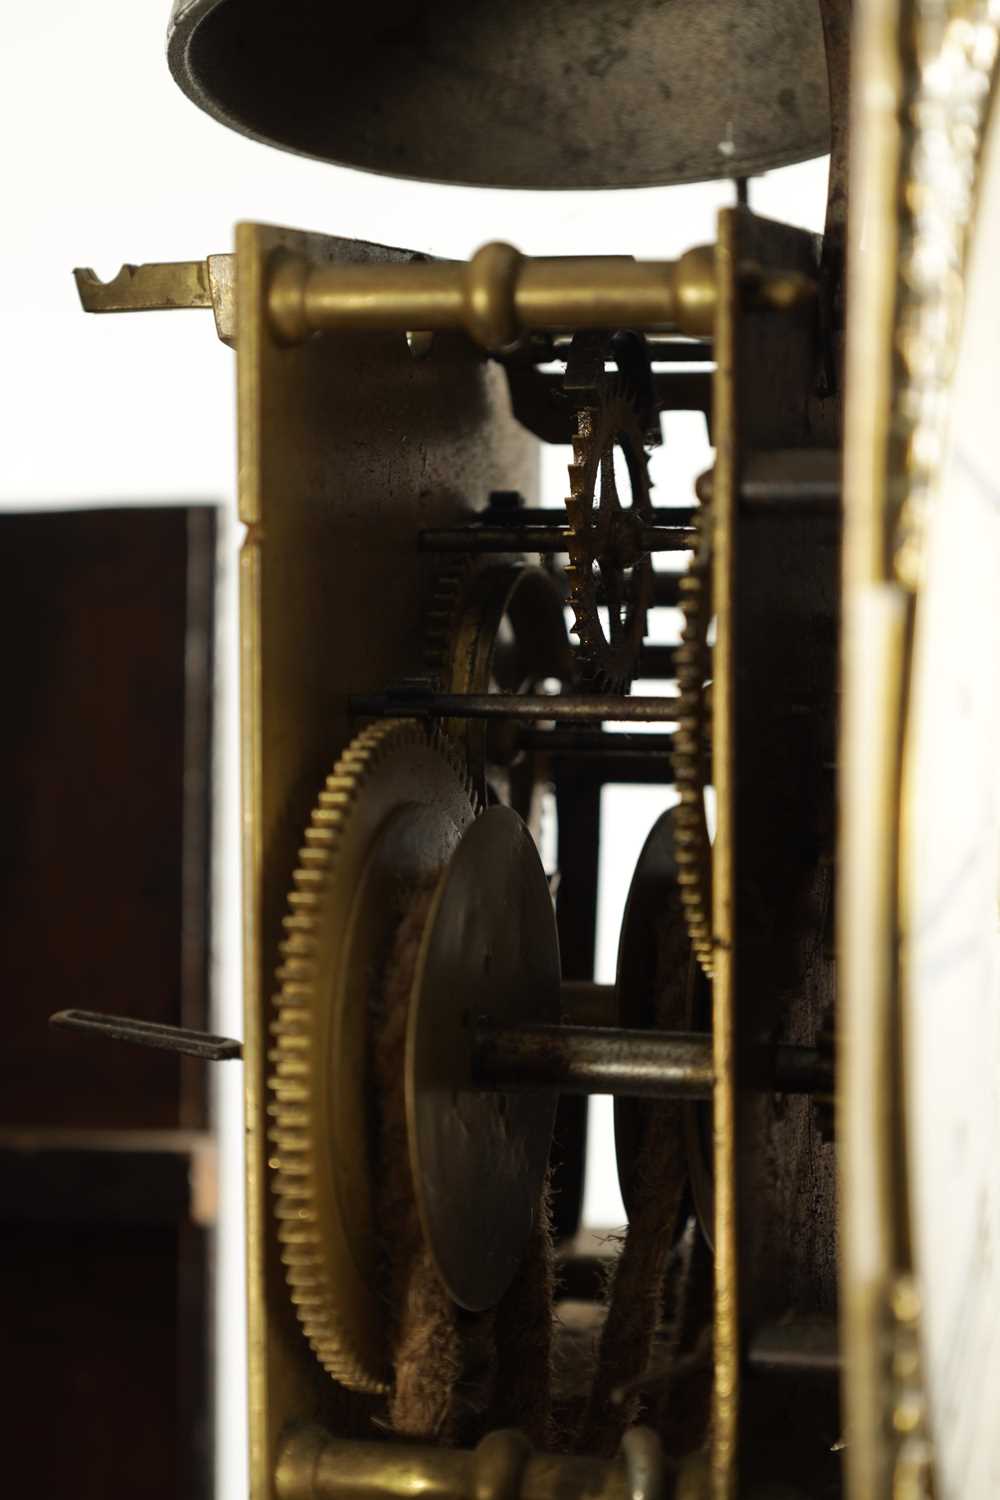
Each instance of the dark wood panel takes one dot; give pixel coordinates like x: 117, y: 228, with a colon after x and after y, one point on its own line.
x: 91, y: 1328
x: 69, y: 1178
x: 108, y: 677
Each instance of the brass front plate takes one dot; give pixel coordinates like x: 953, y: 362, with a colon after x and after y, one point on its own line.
x: 775, y: 580
x: 347, y: 448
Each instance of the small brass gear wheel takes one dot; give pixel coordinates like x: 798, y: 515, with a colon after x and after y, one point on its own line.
x: 690, y: 745
x: 496, y: 628
x: 387, y: 820
x: 607, y: 565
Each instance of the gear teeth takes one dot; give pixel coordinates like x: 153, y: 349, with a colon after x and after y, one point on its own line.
x: 692, y: 659
x: 603, y: 667
x: 295, y: 1174
x: 440, y: 620
x: 577, y: 483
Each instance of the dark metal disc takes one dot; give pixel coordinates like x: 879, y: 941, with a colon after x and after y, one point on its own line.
x: 569, y: 94
x: 489, y: 951
x: 660, y: 984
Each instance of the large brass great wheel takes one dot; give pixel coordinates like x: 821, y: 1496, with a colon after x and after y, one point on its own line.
x: 391, y: 813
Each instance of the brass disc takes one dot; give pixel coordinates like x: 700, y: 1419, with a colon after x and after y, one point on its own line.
x: 386, y: 822
x: 655, y: 954
x: 489, y: 951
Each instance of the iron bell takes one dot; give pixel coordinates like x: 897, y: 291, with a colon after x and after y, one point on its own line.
x: 523, y: 93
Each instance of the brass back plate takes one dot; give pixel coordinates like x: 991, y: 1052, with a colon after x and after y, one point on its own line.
x: 347, y: 446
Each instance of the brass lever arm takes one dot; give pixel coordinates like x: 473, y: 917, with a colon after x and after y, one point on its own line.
x: 166, y: 286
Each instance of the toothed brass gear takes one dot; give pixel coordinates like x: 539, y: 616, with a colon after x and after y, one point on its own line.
x: 495, y: 627
x: 387, y: 820
x: 441, y: 619
x: 606, y: 562
x: 690, y: 745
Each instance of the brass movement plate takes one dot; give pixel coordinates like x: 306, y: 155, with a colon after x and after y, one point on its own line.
x: 347, y: 447
x: 772, y: 697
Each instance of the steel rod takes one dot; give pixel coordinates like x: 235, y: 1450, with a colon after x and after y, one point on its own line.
x: 572, y: 708
x: 571, y: 743
x: 499, y: 512
x: 506, y: 536
x: 181, y: 1039
x: 798, y: 480
x: 629, y: 1064
x: 594, y: 1060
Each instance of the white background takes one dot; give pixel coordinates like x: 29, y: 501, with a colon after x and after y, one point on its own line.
x: 106, y: 162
